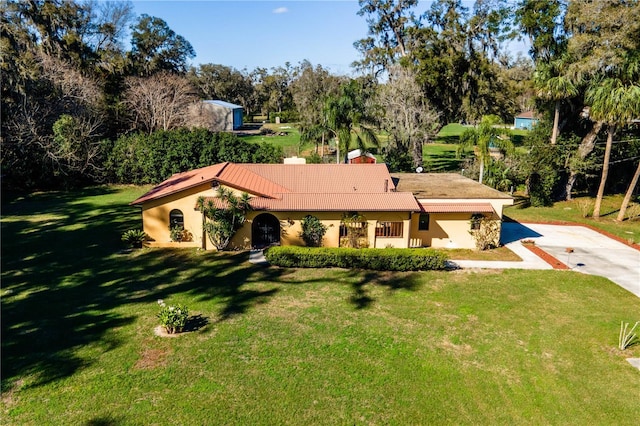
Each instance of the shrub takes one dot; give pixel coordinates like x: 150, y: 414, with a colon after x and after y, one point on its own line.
x: 314, y: 158
x: 585, y: 205
x: 179, y: 234
x: 312, y: 231
x: 626, y: 337
x: 173, y: 318
x: 487, y: 233
x: 398, y: 160
x: 390, y: 259
x: 135, y: 238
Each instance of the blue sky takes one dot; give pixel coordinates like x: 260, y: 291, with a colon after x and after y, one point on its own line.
x: 250, y: 34
x: 265, y: 33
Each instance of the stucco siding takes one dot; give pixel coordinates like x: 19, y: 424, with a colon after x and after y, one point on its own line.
x: 291, y: 228
x: 155, y: 216
x: 446, y: 230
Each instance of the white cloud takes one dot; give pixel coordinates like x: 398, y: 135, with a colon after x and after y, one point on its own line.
x: 280, y: 10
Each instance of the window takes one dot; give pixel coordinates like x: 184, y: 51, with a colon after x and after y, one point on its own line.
x: 423, y: 223
x: 389, y: 229
x: 176, y: 219
x: 476, y: 220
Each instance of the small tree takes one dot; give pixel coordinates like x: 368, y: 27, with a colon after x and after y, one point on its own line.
x: 356, y: 227
x: 223, y: 216
x: 485, y: 232
x: 486, y: 136
x: 312, y: 231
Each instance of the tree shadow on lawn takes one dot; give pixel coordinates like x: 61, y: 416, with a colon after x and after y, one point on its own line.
x: 393, y: 281
x: 63, y: 280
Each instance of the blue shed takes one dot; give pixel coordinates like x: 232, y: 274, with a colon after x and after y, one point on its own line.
x: 526, y: 120
x: 224, y: 116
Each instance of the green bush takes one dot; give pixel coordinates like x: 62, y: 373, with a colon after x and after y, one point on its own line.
x: 141, y: 158
x: 389, y: 259
x: 288, y: 116
x: 312, y: 231
x: 134, y: 238
x: 173, y: 318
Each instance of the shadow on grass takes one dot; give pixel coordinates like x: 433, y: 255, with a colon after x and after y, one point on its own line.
x: 63, y: 280
x: 362, y: 280
x: 108, y: 420
x: 196, y: 323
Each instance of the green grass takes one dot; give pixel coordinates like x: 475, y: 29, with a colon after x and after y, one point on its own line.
x: 579, y: 211
x: 441, y: 157
x: 289, y: 142
x: 451, y: 133
x: 288, y: 346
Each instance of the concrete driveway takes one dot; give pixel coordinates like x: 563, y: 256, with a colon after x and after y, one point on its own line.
x: 593, y: 253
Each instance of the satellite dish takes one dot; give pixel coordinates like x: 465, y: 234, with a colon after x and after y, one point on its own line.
x: 419, y: 169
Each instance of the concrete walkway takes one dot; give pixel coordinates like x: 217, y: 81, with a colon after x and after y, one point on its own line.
x: 257, y: 257
x: 593, y: 253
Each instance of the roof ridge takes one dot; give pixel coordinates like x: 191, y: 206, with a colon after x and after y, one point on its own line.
x: 249, y: 185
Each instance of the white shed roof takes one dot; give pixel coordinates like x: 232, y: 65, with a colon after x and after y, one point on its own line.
x: 224, y: 104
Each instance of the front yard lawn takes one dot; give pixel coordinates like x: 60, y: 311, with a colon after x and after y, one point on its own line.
x: 290, y: 346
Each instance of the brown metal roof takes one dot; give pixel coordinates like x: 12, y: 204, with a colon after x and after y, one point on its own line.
x: 270, y: 180
x: 388, y: 201
x: 457, y: 208
x: 181, y: 181
x: 243, y: 178
x: 326, y: 178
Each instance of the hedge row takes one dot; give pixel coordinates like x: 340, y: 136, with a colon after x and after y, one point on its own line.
x: 388, y: 259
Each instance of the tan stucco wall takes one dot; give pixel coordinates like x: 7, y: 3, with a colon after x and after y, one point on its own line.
x: 446, y: 230
x: 155, y: 216
x: 290, y: 228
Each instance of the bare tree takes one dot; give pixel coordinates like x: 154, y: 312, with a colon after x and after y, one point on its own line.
x: 160, y: 102
x: 408, y: 116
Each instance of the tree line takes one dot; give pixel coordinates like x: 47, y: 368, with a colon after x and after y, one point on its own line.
x: 77, y: 103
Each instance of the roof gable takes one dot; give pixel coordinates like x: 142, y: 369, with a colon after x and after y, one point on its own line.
x: 181, y: 181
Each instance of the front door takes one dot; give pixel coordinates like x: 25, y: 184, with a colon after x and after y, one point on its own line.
x: 265, y: 231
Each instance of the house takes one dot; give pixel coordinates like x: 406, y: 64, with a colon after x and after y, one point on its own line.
x: 526, y: 120
x: 392, y: 211
x: 449, y: 205
x: 358, y: 157
x: 216, y: 115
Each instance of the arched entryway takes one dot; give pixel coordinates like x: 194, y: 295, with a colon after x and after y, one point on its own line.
x: 265, y: 231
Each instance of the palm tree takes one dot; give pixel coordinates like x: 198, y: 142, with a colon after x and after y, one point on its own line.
x: 552, y: 85
x: 486, y: 136
x: 614, y: 99
x: 345, y: 117
x: 627, y: 196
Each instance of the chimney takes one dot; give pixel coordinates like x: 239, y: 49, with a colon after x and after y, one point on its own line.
x: 386, y: 185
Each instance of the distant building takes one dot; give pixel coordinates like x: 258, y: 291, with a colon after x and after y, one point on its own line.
x: 359, y: 157
x: 526, y: 120
x: 217, y: 116
x: 295, y: 160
